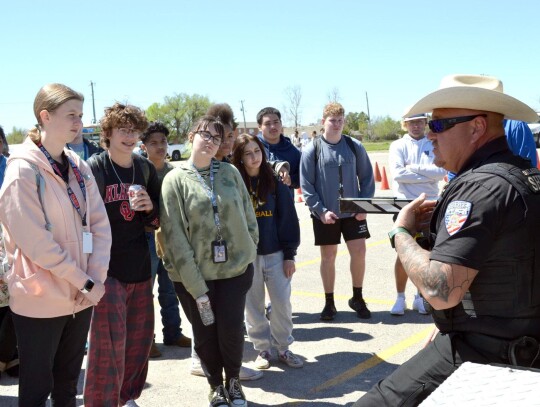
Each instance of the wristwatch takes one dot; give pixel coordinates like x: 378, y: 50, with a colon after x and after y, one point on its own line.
x: 87, y: 286
x: 392, y: 234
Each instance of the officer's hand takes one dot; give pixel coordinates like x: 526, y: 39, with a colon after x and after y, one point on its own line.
x: 416, y: 215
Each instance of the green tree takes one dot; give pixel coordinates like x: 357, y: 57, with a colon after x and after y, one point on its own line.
x: 356, y: 122
x: 16, y: 136
x: 386, y: 128
x: 179, y: 112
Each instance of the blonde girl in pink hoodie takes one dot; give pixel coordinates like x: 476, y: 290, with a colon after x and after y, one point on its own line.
x: 58, y: 241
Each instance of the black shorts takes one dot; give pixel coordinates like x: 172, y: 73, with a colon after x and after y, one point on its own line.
x: 331, y: 234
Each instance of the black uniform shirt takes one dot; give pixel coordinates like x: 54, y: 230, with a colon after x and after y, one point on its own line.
x: 479, y: 215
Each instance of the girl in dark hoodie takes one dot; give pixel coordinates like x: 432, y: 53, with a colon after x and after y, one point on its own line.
x: 279, y: 237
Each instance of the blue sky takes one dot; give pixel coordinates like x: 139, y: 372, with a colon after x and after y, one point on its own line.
x: 140, y: 52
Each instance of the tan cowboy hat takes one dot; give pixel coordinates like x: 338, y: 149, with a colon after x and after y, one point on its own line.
x: 475, y: 92
x: 415, y: 117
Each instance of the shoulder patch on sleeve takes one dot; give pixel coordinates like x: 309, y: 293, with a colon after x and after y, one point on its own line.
x: 457, y: 213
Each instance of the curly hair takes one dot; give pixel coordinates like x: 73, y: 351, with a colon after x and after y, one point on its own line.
x: 223, y: 112
x: 121, y: 115
x: 154, y: 127
x: 333, y: 109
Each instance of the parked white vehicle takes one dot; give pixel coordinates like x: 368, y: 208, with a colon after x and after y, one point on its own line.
x: 175, y: 151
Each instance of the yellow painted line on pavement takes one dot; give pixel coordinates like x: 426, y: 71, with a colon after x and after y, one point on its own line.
x: 340, y: 253
x: 341, y: 297
x: 375, y: 360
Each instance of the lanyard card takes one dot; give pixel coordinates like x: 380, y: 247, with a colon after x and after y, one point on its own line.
x: 219, y: 251
x: 87, y: 242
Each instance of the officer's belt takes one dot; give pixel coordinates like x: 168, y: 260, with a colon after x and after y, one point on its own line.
x: 487, y: 343
x: 522, y: 351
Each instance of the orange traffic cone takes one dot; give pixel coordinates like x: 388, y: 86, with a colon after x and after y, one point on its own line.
x: 377, y: 173
x: 298, y: 193
x: 384, y: 180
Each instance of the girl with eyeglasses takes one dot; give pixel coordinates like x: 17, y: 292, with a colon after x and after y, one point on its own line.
x: 209, y: 237
x: 123, y: 323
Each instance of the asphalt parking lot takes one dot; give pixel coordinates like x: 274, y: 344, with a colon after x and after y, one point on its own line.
x: 343, y: 358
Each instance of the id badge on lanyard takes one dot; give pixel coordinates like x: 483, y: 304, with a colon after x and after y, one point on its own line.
x: 218, y: 248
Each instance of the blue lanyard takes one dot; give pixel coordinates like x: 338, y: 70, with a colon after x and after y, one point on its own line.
x: 78, y: 175
x: 210, y: 192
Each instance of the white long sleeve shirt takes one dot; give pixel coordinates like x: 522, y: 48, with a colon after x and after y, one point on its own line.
x: 412, y: 168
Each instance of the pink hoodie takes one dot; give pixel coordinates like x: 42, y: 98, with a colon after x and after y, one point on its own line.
x: 49, y: 267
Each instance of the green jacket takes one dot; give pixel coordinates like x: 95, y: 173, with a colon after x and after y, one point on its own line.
x: 188, y: 228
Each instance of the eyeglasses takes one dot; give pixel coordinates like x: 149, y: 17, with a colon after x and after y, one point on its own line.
x: 441, y: 125
x: 127, y: 132
x: 207, y: 136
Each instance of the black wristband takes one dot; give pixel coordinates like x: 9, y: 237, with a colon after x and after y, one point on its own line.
x: 392, y: 234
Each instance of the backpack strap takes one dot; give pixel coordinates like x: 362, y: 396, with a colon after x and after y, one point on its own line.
x: 40, y: 185
x: 348, y: 140
x: 317, y: 146
x: 350, y: 143
x: 145, y: 168
x: 98, y: 174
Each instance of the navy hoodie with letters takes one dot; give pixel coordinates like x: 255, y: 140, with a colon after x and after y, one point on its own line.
x: 278, y: 222
x: 284, y: 150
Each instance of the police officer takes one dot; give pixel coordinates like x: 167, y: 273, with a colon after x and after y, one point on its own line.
x: 482, y: 277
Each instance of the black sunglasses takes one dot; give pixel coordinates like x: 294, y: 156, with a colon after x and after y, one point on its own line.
x: 441, y: 125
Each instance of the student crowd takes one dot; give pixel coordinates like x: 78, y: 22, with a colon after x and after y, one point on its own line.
x: 82, y: 246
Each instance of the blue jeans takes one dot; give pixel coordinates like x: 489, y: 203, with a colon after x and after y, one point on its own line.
x: 168, y: 301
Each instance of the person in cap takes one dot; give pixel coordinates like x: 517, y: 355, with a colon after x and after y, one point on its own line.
x: 481, y: 278
x: 413, y: 172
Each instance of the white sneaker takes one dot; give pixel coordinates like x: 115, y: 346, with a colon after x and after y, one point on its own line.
x: 247, y: 374
x: 131, y: 403
x: 196, y: 368
x: 399, y: 307
x: 290, y: 359
x: 263, y: 360
x: 418, y: 305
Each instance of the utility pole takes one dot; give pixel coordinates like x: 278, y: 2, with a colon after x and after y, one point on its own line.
x: 93, y: 103
x: 243, y: 114
x: 368, y: 117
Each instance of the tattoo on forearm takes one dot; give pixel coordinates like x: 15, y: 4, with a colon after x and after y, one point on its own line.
x: 436, y: 278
